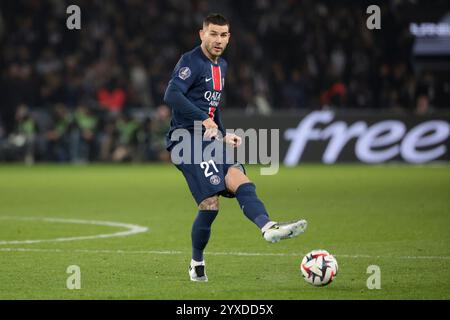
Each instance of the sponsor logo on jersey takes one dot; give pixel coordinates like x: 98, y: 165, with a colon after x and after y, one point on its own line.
x: 213, y: 98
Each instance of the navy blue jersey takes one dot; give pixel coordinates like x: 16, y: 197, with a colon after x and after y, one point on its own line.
x: 200, y: 81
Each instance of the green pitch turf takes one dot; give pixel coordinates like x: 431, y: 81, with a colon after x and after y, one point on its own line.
x: 395, y: 217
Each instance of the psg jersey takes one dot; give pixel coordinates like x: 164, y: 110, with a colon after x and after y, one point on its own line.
x: 202, y: 82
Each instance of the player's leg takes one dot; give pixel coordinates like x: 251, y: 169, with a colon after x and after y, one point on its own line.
x: 201, y: 231
x: 206, y: 181
x: 240, y: 185
x: 245, y: 191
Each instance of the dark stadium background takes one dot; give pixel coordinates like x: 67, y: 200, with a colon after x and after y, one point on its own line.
x: 96, y: 94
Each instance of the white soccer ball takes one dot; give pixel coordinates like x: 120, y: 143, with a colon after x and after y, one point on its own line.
x: 319, y: 267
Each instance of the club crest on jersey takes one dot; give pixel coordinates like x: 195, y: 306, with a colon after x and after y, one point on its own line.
x: 184, y: 73
x: 215, y: 180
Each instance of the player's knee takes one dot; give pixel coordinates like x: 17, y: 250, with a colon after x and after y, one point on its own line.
x: 211, y: 203
x: 234, y: 179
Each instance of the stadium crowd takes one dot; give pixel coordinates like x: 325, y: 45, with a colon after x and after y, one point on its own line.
x: 96, y: 93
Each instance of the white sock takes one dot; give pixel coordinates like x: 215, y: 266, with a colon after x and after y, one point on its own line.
x: 197, y: 263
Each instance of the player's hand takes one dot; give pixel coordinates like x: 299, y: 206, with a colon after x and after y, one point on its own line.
x: 211, y: 129
x: 233, y: 139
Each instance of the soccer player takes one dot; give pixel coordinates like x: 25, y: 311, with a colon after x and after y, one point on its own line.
x: 194, y: 93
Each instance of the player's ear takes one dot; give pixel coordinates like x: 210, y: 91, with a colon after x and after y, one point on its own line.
x: 201, y: 33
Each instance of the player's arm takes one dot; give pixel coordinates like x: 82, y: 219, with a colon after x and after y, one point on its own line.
x: 229, y: 138
x: 184, y: 76
x: 177, y: 100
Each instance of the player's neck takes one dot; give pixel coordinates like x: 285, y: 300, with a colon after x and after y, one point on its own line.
x: 214, y: 59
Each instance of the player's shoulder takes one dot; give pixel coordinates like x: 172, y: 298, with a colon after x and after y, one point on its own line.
x: 190, y: 64
x: 192, y: 56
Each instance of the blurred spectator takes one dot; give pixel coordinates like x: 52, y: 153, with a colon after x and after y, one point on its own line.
x: 127, y: 128
x: 424, y: 93
x: 59, y: 136
x: 107, y: 139
x: 159, y: 126
x: 111, y: 97
x: 140, y: 93
x: 83, y: 135
x: 25, y: 131
x: 295, y: 91
x: 18, y: 88
x: 335, y: 95
x: 422, y: 105
x: 20, y: 144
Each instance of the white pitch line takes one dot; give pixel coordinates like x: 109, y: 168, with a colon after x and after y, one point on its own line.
x: 134, y: 229
x: 245, y: 254
x: 131, y: 229
x: 87, y: 251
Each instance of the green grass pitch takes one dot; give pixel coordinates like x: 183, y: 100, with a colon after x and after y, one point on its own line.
x: 396, y: 217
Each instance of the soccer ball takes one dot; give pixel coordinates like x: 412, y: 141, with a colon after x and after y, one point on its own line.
x: 319, y: 267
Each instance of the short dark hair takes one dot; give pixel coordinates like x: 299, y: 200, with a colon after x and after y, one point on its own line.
x: 217, y: 19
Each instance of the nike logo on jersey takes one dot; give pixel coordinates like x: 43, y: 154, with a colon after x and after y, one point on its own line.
x: 208, y: 79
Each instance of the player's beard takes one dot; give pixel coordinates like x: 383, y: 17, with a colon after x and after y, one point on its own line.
x: 213, y: 52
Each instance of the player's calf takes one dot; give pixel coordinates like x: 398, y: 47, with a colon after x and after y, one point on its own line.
x: 201, y: 231
x: 251, y: 205
x: 211, y: 203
